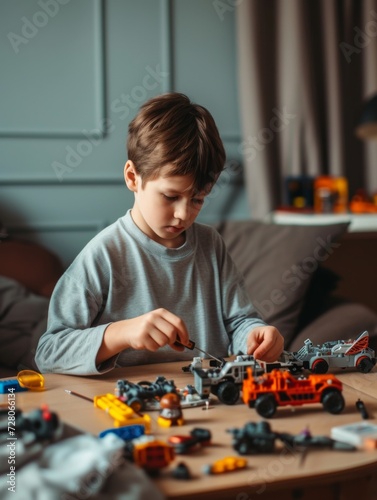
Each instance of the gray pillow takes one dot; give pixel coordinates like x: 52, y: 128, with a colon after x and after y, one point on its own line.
x: 23, y: 319
x: 278, y: 263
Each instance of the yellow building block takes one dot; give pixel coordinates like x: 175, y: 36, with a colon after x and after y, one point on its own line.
x: 120, y: 412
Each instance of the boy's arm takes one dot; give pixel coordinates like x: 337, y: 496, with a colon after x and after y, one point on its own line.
x: 246, y: 329
x: 151, y: 331
x: 73, y: 345
x: 70, y: 343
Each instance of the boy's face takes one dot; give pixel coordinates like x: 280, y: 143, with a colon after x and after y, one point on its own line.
x: 164, y: 207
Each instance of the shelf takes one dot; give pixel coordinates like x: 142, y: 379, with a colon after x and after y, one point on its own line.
x: 358, y: 222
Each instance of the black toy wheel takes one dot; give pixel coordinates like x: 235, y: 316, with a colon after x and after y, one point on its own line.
x: 364, y: 365
x: 320, y: 366
x: 333, y: 401
x: 136, y: 404
x: 228, y: 393
x: 266, y: 405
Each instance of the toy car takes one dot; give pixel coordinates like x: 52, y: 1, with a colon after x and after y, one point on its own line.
x: 280, y: 388
x: 338, y: 354
x: 225, y: 381
x: 137, y: 395
x: 333, y: 354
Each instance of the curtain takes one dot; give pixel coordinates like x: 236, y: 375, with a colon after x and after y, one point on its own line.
x: 304, y: 69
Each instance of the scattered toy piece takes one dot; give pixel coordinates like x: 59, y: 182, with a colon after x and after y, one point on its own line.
x: 126, y: 432
x: 185, y: 444
x: 150, y: 453
x: 356, y: 433
x: 31, y: 379
x: 122, y: 413
x: 227, y: 464
x: 362, y: 409
x: 181, y: 471
x: 10, y: 386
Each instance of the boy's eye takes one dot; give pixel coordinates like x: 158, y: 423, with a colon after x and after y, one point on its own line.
x: 170, y: 198
x: 198, y: 201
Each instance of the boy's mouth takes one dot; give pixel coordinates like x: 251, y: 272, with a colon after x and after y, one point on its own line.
x: 174, y: 229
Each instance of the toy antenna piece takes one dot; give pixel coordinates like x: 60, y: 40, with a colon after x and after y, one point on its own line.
x: 255, y: 368
x: 73, y: 393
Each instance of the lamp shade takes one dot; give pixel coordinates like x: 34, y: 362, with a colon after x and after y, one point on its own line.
x: 367, y: 127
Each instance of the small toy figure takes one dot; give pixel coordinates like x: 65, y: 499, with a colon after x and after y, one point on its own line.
x: 171, y: 411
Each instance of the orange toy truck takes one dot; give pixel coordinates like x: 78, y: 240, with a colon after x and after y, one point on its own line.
x: 280, y: 388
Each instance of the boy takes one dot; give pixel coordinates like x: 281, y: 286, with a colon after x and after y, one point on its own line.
x: 155, y: 276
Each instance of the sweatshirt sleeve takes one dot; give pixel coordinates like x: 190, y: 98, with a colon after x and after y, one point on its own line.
x: 240, y: 315
x: 70, y: 344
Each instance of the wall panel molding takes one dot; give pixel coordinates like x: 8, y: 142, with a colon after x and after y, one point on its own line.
x: 49, y: 181
x: 167, y: 45
x: 98, y: 128
x: 58, y: 227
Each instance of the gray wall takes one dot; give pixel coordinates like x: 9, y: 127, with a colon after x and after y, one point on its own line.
x: 73, y: 74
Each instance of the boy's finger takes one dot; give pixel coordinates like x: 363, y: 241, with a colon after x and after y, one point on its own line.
x: 181, y: 330
x: 177, y: 347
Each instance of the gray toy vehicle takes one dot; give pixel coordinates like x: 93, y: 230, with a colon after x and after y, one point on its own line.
x: 224, y: 381
x: 333, y: 354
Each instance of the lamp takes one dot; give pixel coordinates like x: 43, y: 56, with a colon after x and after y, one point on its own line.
x: 367, y: 127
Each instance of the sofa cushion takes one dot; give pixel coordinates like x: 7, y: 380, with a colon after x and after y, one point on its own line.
x: 30, y: 264
x: 23, y: 319
x: 341, y: 321
x: 318, y: 296
x: 278, y: 263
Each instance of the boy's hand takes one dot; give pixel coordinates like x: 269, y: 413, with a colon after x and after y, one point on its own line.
x: 265, y: 343
x: 157, y: 328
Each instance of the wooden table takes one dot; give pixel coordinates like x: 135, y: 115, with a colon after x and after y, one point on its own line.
x: 324, y: 475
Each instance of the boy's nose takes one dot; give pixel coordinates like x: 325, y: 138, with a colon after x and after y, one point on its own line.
x: 181, y: 212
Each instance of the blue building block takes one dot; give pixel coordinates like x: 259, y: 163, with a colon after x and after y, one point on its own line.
x: 12, y: 384
x: 126, y: 432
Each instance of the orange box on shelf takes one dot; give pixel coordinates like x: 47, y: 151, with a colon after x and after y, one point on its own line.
x: 362, y: 204
x: 330, y: 194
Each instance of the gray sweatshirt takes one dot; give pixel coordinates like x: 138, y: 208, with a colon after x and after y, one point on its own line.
x: 122, y: 273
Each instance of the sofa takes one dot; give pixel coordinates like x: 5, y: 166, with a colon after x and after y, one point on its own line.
x: 312, y: 282
x: 28, y: 274
x: 315, y: 282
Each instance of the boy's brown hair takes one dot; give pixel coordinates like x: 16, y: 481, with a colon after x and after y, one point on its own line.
x: 170, y: 129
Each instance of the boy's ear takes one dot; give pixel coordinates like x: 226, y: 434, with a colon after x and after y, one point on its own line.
x: 130, y: 176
